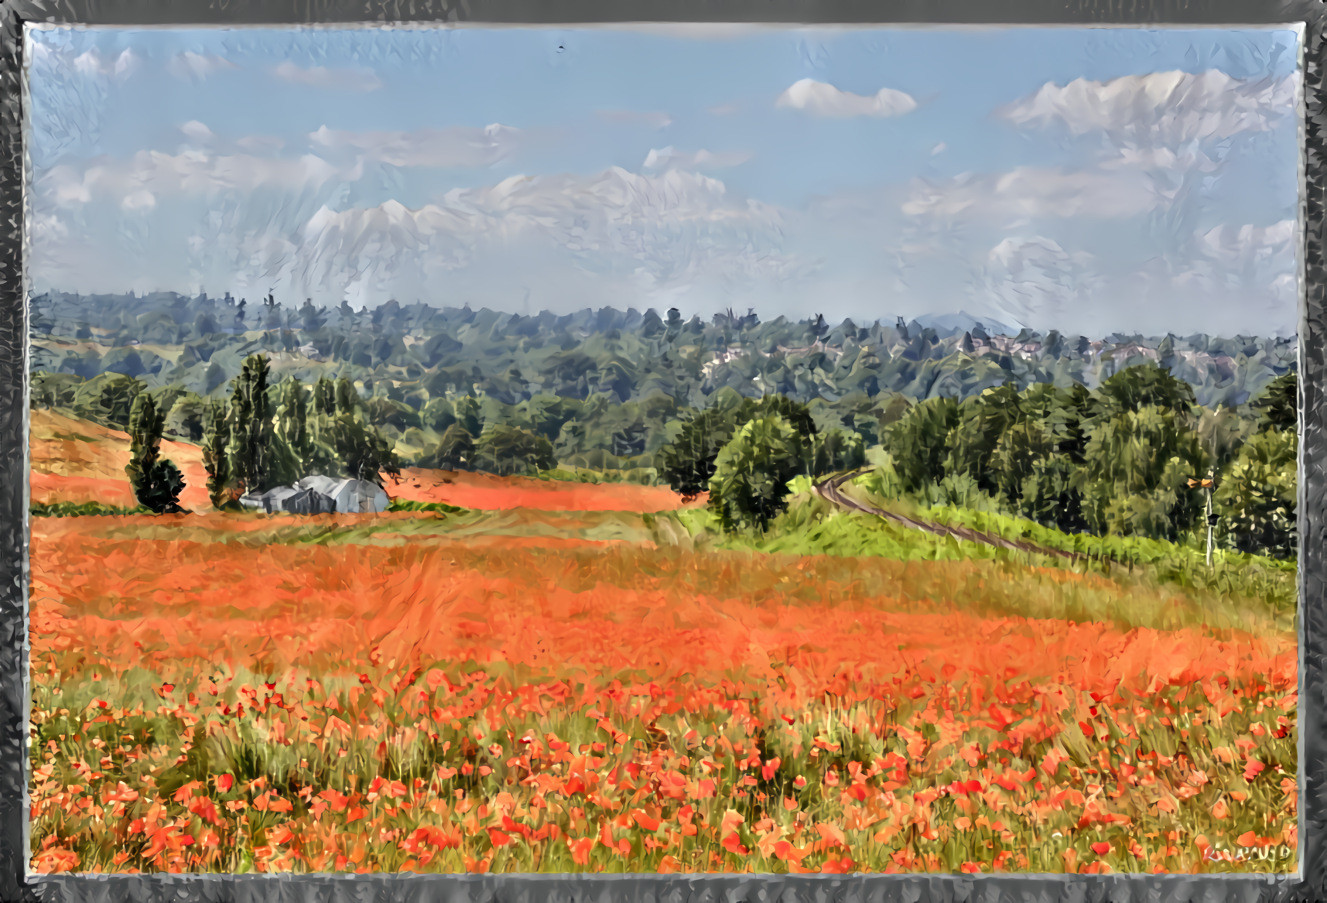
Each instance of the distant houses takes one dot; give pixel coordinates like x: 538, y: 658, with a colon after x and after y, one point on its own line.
x: 321, y: 495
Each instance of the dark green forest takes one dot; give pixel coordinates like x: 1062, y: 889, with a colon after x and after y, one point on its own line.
x: 1082, y: 434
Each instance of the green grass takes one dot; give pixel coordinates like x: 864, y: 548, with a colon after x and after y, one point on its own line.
x: 80, y: 509
x: 441, y: 507
x: 1184, y: 565
x: 1237, y: 592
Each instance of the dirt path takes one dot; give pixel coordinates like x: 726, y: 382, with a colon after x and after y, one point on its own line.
x: 830, y: 491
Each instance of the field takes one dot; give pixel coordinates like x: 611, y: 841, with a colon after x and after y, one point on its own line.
x: 581, y: 677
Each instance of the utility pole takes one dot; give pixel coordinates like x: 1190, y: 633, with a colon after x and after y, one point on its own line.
x: 1208, y: 514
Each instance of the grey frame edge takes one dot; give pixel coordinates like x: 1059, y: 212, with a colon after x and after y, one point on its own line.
x: 1310, y: 884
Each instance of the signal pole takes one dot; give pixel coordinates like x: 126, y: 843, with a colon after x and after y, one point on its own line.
x: 1209, y: 514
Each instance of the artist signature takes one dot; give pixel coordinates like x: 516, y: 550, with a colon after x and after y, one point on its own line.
x: 1248, y: 854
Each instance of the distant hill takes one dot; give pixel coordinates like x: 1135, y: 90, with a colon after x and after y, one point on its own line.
x: 418, y: 352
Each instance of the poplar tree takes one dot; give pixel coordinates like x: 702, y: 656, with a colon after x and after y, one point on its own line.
x: 216, y: 439
x: 157, y: 483
x: 251, y: 426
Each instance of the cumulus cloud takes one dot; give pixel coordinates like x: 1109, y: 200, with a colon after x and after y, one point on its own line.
x: 190, y: 172
x: 1259, y: 260
x: 1159, y: 108
x: 197, y: 66
x: 649, y: 232
x: 449, y: 147
x: 95, y: 63
x: 822, y: 99
x: 198, y: 132
x: 139, y: 200
x: 351, y: 80
x: 1034, y: 282
x: 198, y: 136
x: 1035, y: 192
x: 1235, y: 276
x: 671, y: 158
x: 1254, y: 244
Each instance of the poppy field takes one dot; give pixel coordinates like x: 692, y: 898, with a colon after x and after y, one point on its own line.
x: 518, y: 688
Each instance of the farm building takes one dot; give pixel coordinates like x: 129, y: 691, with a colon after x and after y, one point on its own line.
x: 349, y: 496
x: 320, y: 495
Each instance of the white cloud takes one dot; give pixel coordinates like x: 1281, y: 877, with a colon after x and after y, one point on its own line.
x: 821, y: 99
x: 1259, y: 261
x: 651, y: 119
x: 670, y: 158
x: 190, y: 172
x: 606, y: 233
x: 1034, y: 282
x: 197, y: 66
x: 1033, y: 192
x: 939, y: 149
x: 198, y: 136
x: 1252, y: 244
x: 45, y: 227
x: 1159, y: 108
x: 95, y: 63
x: 198, y: 132
x: 353, y: 80
x: 139, y: 200
x: 450, y: 147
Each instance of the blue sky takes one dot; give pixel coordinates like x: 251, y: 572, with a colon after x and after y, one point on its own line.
x: 1082, y: 179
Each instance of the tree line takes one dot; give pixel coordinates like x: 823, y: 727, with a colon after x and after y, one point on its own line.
x: 416, y: 353
x: 1113, y: 460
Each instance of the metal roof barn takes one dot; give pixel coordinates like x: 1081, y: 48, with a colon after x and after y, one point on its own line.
x: 349, y: 495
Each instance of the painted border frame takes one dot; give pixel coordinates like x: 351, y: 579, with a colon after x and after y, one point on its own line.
x: 1309, y: 884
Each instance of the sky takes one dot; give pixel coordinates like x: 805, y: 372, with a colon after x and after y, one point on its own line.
x: 1086, y: 180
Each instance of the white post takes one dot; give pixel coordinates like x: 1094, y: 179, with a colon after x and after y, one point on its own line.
x: 1209, y: 526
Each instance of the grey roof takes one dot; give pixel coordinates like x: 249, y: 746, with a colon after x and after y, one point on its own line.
x: 320, y: 483
x: 351, y: 495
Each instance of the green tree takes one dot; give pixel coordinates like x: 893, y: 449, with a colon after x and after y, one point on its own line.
x: 795, y: 413
x: 53, y: 390
x: 107, y: 399
x: 1146, y: 386
x: 837, y: 450
x: 347, y: 398
x: 388, y: 413
x: 1257, y: 495
x: 292, y: 419
x: 438, y: 414
x: 455, y: 451
x: 466, y: 412
x: 1278, y: 405
x: 919, y: 441
x: 750, y: 483
x: 506, y: 450
x: 250, y: 450
x: 157, y: 483
x: 187, y: 416
x: 363, y: 453
x: 1137, y: 464
x: 324, y: 397
x: 216, y: 460
x: 687, y: 463
x: 982, y: 422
